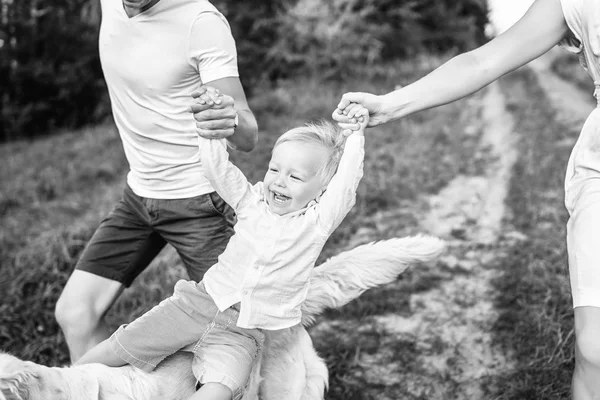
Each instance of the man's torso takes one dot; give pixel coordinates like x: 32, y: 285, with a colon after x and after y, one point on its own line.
x: 150, y: 70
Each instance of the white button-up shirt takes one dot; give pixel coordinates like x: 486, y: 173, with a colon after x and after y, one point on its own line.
x: 266, y: 265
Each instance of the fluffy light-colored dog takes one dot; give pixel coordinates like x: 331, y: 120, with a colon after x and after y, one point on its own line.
x: 288, y: 368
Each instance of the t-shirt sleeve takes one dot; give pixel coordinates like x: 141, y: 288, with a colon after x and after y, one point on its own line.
x: 572, y: 11
x: 212, y: 47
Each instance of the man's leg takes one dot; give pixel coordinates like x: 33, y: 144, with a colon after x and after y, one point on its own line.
x: 81, y: 308
x: 122, y: 246
x: 199, y: 229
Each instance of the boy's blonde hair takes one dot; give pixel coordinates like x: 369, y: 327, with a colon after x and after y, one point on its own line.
x: 324, y: 133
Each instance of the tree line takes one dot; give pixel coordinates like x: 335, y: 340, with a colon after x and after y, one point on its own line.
x: 50, y: 75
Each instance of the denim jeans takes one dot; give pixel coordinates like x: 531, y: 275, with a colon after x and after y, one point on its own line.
x: 223, y: 352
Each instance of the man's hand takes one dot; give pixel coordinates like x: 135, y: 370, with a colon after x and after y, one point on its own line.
x: 214, y: 113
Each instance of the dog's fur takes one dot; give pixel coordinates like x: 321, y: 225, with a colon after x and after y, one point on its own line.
x: 288, y: 368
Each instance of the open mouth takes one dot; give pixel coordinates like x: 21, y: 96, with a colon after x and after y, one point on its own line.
x: 279, y: 199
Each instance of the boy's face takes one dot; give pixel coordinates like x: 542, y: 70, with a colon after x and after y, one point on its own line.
x: 292, y: 179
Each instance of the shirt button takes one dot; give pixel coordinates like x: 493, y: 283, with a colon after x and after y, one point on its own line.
x: 245, y: 292
x: 256, y: 267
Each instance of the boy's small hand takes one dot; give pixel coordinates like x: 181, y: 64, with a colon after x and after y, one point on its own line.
x: 375, y: 104
x: 354, y: 120
x: 207, y: 95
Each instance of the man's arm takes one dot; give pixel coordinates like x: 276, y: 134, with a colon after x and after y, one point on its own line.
x: 216, y: 119
x: 212, y: 51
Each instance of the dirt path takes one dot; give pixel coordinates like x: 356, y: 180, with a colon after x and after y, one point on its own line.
x: 460, y: 312
x: 448, y: 326
x: 442, y: 347
x: 456, y: 317
x: 572, y: 106
x: 451, y: 323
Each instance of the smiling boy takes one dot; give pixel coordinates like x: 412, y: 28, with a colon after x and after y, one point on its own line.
x: 262, y: 277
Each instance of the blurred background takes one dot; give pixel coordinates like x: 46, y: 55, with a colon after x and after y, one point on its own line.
x: 51, y: 76
x: 491, y: 320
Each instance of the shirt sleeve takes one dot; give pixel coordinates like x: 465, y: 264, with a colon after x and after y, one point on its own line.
x: 340, y: 195
x: 212, y: 47
x: 572, y: 12
x: 227, y: 179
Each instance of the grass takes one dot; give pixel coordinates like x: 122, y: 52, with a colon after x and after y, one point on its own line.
x: 54, y: 192
x: 536, y: 322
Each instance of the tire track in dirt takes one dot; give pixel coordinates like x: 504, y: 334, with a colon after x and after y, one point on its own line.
x: 457, y: 316
x: 571, y: 104
x: 452, y: 322
x: 448, y: 334
x: 449, y: 326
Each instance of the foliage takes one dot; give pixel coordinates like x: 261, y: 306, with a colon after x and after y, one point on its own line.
x: 49, y: 68
x: 50, y: 74
x: 254, y: 26
x: 290, y: 38
x: 335, y: 37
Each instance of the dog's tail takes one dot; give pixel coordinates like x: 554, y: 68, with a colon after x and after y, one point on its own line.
x: 346, y: 276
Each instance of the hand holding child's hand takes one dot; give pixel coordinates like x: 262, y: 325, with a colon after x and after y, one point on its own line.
x: 214, y: 113
x: 357, y: 119
x: 207, y: 96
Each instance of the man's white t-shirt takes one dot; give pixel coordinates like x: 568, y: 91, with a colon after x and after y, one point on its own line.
x: 152, y: 64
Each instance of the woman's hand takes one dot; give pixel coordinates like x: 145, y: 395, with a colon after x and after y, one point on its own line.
x: 373, y: 103
x: 357, y: 116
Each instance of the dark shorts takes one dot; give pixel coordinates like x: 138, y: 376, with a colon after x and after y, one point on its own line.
x: 138, y: 228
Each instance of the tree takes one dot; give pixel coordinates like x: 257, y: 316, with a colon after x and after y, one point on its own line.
x: 50, y: 73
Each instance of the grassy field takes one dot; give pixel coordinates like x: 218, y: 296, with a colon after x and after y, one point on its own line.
x: 535, y: 322
x: 55, y: 191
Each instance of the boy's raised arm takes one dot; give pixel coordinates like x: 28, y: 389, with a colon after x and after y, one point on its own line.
x: 340, y: 196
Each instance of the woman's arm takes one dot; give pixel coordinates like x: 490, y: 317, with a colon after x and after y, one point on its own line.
x: 541, y: 28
